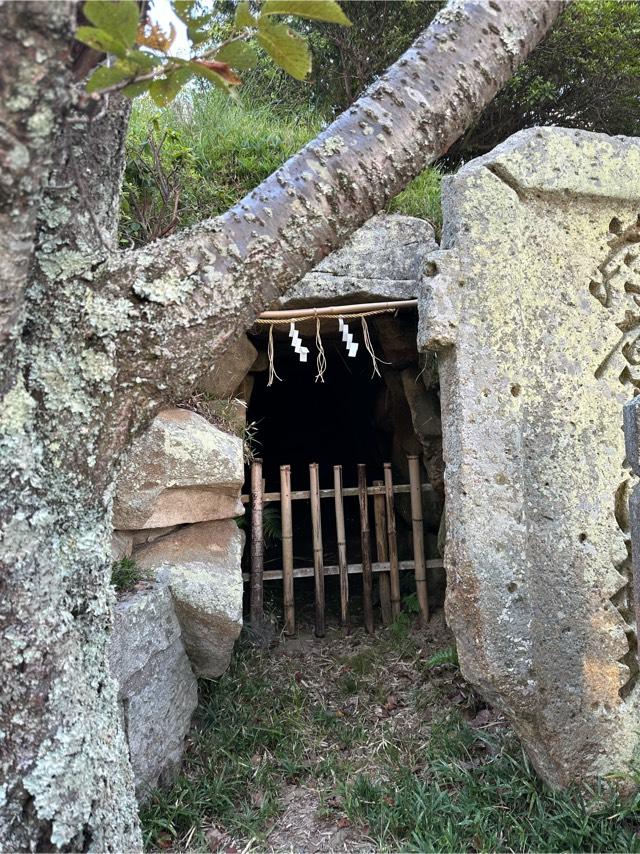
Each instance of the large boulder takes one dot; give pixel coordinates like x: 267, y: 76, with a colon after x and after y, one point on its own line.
x: 532, y: 306
x: 157, y: 689
x: 230, y: 369
x: 181, y: 470
x: 201, y: 565
x: 383, y: 260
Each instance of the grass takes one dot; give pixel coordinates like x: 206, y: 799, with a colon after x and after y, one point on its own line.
x: 220, y: 149
x: 393, y: 744
x: 125, y: 574
x: 422, y: 199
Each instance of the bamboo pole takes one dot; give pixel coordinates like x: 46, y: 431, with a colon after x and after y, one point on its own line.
x: 394, y: 574
x: 257, y: 545
x: 418, y: 538
x: 367, y: 576
x: 334, y: 569
x: 342, y: 548
x: 316, y: 530
x: 347, y: 492
x: 336, y: 310
x: 287, y: 551
x: 384, y: 587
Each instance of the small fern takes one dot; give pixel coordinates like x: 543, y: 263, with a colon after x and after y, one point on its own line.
x: 271, y: 524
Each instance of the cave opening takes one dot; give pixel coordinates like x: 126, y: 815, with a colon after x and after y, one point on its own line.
x: 356, y: 416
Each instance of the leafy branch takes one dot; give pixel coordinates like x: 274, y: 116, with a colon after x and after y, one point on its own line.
x: 139, y: 52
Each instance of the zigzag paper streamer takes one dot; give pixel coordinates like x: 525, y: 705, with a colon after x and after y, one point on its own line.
x: 296, y: 343
x: 347, y: 337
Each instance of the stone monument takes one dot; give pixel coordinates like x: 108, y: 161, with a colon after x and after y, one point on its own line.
x: 533, y: 308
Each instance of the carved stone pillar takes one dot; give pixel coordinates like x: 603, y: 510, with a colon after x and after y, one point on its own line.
x: 533, y: 308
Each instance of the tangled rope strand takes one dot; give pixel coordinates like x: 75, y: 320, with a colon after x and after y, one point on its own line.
x: 370, y: 350
x: 272, y: 368
x: 321, y: 360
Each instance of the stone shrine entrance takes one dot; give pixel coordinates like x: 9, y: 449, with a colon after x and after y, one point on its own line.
x: 355, y: 425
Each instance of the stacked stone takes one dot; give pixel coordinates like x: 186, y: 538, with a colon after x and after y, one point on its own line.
x: 174, y: 513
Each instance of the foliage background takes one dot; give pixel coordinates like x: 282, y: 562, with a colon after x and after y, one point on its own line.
x: 214, y: 149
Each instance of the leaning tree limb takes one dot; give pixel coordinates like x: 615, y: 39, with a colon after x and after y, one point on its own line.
x: 210, y: 282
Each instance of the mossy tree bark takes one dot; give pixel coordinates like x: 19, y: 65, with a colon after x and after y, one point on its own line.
x: 94, y: 340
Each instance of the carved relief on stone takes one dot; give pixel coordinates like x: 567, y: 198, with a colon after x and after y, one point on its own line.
x: 617, y: 287
x: 533, y: 307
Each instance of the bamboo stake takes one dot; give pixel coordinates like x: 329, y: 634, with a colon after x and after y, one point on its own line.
x: 342, y: 548
x: 316, y: 529
x: 384, y: 587
x: 287, y: 551
x: 394, y: 574
x: 418, y: 538
x: 367, y: 576
x: 257, y: 545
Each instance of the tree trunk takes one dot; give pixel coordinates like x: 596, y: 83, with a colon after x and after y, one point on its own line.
x: 95, y: 340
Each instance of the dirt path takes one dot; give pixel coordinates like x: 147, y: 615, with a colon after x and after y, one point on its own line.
x: 375, y: 688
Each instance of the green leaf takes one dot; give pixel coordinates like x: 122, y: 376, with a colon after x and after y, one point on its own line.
x: 238, y: 55
x: 183, y: 9
x: 287, y: 49
x: 119, y: 19
x: 100, y: 40
x: 106, y: 76
x: 243, y: 17
x: 197, y: 35
x: 136, y: 88
x: 164, y: 90
x: 317, y: 10
x: 142, y: 60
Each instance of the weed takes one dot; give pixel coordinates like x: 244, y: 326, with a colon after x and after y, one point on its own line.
x: 125, y: 574
x: 443, y: 658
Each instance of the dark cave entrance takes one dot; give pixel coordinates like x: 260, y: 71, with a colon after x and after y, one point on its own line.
x: 354, y: 416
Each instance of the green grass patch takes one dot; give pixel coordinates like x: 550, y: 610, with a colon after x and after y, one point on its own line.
x: 422, y: 199
x: 478, y: 792
x: 125, y: 574
x: 214, y: 151
x: 250, y: 738
x: 387, y: 733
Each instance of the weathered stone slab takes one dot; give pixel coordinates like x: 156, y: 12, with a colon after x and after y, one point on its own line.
x: 181, y: 470
x: 631, y: 415
x: 121, y: 545
x: 533, y: 306
x: 230, y: 369
x: 157, y: 690
x: 201, y: 564
x: 381, y: 261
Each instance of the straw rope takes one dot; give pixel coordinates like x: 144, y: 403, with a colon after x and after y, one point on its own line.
x: 321, y: 359
x: 272, y: 368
